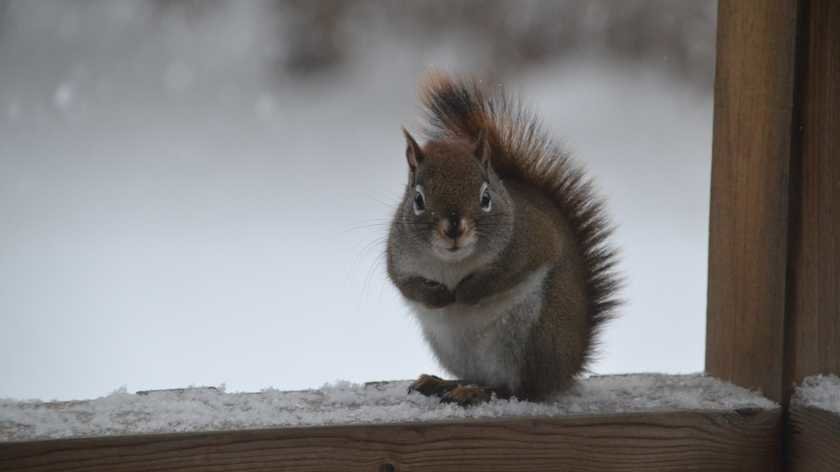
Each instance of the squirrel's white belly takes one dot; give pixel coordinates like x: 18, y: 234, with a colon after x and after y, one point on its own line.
x: 484, y: 343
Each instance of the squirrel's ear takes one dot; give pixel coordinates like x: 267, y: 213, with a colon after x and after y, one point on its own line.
x: 482, y: 149
x: 413, y: 153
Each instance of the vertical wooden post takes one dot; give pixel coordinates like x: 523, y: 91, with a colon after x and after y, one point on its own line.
x: 749, y: 213
x: 774, y: 248
x: 813, y: 305
x: 813, y: 345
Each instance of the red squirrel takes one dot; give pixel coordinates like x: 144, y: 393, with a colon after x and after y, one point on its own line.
x: 500, y: 247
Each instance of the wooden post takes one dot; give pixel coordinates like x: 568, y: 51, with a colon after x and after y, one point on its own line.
x: 751, y: 160
x: 774, y: 246
x: 813, y: 306
x: 774, y: 249
x: 814, y: 253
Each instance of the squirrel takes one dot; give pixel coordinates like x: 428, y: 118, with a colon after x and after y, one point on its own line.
x: 500, y: 247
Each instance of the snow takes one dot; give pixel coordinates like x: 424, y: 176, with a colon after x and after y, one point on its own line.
x: 341, y: 403
x: 820, y: 391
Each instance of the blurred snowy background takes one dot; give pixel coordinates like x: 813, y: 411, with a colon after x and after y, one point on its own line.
x: 197, y: 192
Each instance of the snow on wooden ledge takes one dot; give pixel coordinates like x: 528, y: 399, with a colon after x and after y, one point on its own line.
x: 819, y: 391
x: 343, y: 403
x: 813, y: 433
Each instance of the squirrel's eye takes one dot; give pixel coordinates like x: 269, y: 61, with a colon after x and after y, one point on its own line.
x: 419, y: 200
x: 486, y: 201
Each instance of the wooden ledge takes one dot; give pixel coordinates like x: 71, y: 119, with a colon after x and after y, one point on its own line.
x: 813, y: 427
x: 639, y: 422
x: 813, y: 439
x: 701, y: 440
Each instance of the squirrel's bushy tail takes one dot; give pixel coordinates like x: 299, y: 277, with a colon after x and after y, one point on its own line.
x: 522, y: 150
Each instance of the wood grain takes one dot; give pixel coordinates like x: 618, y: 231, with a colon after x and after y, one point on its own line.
x: 744, y: 440
x: 751, y: 151
x: 774, y: 249
x: 814, y: 294
x: 813, y: 437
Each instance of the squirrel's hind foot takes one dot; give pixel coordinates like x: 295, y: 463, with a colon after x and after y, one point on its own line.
x: 453, y: 391
x: 468, y: 395
x: 432, y: 385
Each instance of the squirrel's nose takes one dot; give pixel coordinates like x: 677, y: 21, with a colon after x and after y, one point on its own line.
x: 453, y: 226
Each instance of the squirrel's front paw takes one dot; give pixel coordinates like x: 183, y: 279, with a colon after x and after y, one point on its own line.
x: 426, y: 292
x: 469, y: 291
x: 436, y: 295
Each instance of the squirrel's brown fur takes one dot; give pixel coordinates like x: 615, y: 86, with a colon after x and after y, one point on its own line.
x: 511, y: 294
x: 522, y: 150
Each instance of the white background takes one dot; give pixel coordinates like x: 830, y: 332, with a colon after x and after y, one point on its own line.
x: 172, y: 213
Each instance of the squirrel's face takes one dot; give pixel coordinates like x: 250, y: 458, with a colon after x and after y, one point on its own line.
x: 455, y: 205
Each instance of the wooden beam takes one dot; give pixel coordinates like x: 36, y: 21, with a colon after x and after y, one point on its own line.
x: 740, y: 440
x: 813, y: 319
x: 814, y: 272
x: 774, y: 247
x: 753, y: 119
x: 813, y: 437
x: 751, y: 159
